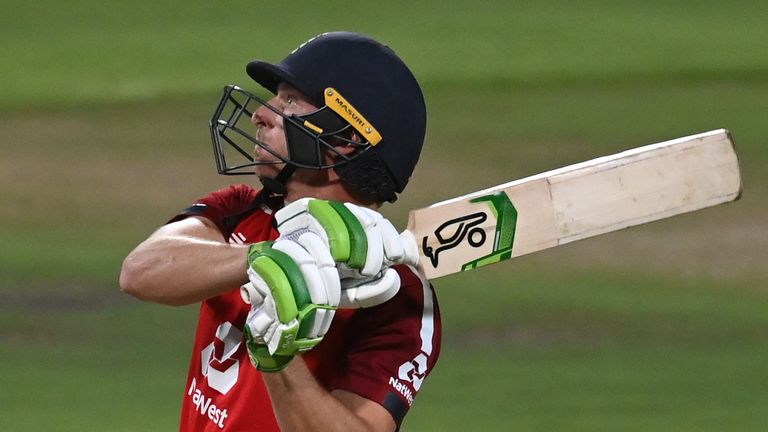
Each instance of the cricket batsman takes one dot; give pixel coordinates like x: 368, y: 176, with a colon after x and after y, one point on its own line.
x: 312, y: 316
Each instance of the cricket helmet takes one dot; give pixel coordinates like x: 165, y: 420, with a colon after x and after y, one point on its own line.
x: 363, y: 88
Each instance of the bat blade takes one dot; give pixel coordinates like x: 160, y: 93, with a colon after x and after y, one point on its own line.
x: 579, y: 201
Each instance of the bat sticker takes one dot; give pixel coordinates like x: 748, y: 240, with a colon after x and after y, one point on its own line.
x: 467, y: 227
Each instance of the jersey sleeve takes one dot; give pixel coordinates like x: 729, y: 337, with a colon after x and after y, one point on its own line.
x: 393, y: 346
x: 222, y: 207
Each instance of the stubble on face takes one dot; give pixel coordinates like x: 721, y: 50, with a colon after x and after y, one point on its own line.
x: 273, y: 138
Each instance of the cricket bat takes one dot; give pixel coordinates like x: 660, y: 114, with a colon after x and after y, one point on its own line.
x: 575, y: 202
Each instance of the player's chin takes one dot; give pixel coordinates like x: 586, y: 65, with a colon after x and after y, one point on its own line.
x: 268, y: 169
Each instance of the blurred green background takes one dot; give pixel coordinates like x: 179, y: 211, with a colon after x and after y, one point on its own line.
x: 103, y: 121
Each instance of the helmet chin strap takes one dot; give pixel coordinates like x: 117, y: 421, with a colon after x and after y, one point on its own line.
x: 277, y: 185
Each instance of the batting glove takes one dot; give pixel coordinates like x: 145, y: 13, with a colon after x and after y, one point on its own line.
x: 293, y: 290
x: 362, y: 242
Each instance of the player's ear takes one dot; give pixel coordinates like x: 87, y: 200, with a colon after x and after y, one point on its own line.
x: 347, y: 148
x: 343, y: 148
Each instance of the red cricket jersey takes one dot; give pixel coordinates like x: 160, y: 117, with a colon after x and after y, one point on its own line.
x: 382, y: 353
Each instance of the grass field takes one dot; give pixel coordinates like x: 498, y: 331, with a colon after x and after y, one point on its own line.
x: 662, y: 327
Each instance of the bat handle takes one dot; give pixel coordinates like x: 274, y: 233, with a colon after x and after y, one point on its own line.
x: 411, y: 255
x: 250, y: 295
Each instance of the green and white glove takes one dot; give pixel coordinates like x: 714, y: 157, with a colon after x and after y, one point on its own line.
x: 362, y: 242
x: 294, y: 290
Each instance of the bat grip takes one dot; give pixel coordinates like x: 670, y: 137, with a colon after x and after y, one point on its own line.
x: 250, y: 295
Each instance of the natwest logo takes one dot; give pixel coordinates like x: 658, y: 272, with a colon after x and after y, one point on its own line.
x: 410, y: 375
x: 414, y: 371
x: 217, y: 359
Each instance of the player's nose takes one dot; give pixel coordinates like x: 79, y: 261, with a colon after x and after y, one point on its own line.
x: 259, y: 116
x: 264, y: 116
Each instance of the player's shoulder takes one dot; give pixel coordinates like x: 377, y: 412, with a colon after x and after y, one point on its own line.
x: 404, y: 314
x: 409, y: 276
x: 228, y: 206
x: 238, y: 191
x: 240, y: 198
x: 413, y: 285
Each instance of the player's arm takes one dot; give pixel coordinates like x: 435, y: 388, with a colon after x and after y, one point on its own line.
x: 300, y: 403
x: 182, y: 263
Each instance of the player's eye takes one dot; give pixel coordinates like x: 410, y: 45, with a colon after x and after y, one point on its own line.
x: 290, y: 100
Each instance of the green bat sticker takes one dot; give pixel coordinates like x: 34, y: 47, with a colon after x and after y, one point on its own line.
x: 468, y: 227
x: 506, y: 221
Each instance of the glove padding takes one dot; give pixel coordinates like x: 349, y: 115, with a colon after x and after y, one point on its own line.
x: 294, y: 290
x: 362, y: 242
